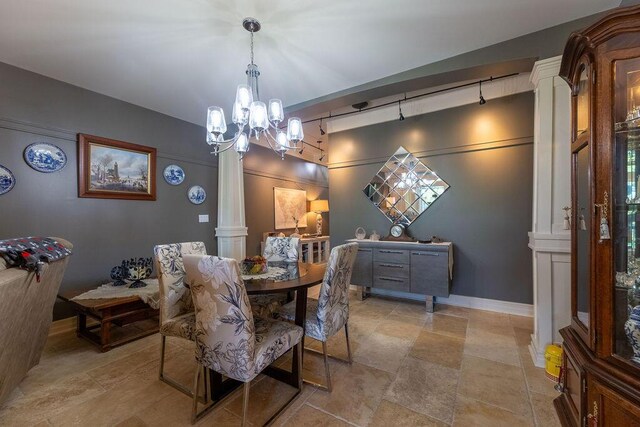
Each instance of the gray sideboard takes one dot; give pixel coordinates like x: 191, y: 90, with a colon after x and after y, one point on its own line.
x: 417, y: 268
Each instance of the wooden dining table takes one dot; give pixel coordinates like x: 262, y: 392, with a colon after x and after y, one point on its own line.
x: 298, y: 278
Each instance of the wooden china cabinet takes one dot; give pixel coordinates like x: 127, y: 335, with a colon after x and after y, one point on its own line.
x: 601, y: 375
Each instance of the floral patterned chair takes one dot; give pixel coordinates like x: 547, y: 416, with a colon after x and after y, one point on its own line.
x: 177, y: 318
x: 330, y: 312
x: 276, y: 249
x: 229, y: 339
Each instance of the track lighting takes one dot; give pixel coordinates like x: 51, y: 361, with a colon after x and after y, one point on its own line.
x: 301, y: 149
x: 482, y: 100
x: 322, y: 132
x: 400, y: 111
x: 322, y: 156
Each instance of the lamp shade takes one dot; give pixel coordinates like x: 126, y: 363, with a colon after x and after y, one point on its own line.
x: 319, y: 206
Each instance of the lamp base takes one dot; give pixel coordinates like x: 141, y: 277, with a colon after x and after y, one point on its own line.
x: 319, y: 225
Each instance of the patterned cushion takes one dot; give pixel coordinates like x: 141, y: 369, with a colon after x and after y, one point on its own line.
x: 181, y: 326
x: 312, y: 326
x: 281, y: 249
x: 273, y: 339
x: 266, y: 305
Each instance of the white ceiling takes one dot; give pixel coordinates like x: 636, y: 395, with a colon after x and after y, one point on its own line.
x: 180, y: 56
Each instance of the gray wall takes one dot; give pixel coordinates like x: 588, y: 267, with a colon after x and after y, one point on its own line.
x: 36, y: 108
x: 485, y: 153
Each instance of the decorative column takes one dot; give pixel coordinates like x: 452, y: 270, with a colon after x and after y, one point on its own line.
x: 231, y: 231
x: 549, y: 241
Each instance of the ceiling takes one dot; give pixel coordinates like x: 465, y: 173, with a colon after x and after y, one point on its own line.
x: 180, y: 56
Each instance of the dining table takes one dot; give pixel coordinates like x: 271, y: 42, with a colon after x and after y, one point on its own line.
x: 298, y: 277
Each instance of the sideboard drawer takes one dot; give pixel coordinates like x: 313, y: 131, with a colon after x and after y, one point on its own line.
x: 391, y: 269
x: 391, y: 255
x: 392, y: 283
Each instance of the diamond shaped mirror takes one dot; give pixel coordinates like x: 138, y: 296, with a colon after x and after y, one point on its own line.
x: 404, y: 187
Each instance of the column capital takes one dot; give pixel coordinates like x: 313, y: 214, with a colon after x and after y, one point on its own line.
x: 545, y: 69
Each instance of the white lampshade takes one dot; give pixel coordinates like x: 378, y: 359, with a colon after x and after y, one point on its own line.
x: 294, y: 130
x: 239, y: 116
x: 242, y: 144
x: 282, y: 144
x: 258, y: 116
x: 276, y: 113
x: 216, y: 123
x: 244, y: 96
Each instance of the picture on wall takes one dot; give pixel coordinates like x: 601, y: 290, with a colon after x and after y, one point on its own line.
x: 112, y: 169
x: 290, y: 207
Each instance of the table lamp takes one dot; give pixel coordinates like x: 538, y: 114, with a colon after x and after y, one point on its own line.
x: 319, y: 206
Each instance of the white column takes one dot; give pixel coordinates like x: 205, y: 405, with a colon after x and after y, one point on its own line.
x: 549, y: 242
x: 231, y: 231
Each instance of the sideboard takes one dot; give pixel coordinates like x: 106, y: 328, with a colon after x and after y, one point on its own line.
x: 417, y: 268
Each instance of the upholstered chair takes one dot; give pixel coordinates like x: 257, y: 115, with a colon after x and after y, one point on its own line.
x: 276, y: 249
x: 177, y: 318
x: 229, y: 339
x: 327, y: 315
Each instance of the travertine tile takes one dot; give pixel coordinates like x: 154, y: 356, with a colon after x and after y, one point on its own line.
x: 496, y: 323
x: 307, y: 392
x: 497, y: 347
x: 494, y: 383
x: 412, y: 309
x: 132, y: 422
x: 543, y: 410
x: 400, y: 326
x: 443, y: 324
x: 523, y: 336
x: 391, y: 414
x: 438, y: 349
x: 535, y: 377
x: 522, y: 322
x: 426, y: 388
x: 472, y: 413
x: 452, y: 310
x: 382, y: 351
x: 357, y: 392
x: 308, y: 416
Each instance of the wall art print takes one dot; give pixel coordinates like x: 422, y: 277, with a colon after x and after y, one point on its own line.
x: 45, y: 157
x: 111, y: 169
x: 7, y: 180
x: 290, y: 208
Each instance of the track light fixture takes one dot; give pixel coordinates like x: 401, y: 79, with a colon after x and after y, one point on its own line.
x: 322, y: 155
x: 301, y: 149
x: 482, y: 100
x: 401, y: 118
x: 322, y: 132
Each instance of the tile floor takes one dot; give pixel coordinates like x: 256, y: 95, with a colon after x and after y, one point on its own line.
x: 457, y: 367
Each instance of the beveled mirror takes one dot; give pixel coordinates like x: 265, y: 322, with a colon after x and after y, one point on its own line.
x: 404, y: 187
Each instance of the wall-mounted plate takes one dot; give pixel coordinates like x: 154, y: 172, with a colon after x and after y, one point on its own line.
x: 7, y: 180
x: 173, y: 174
x: 197, y: 195
x: 45, y: 157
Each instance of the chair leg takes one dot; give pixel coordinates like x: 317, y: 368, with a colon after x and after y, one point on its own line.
x: 245, y: 403
x: 194, y: 408
x: 346, y: 334
x: 326, y: 365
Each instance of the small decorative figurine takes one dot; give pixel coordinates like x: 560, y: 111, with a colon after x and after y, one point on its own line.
x: 632, y: 329
x: 118, y: 274
x: 138, y: 270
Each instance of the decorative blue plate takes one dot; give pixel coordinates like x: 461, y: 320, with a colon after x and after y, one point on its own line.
x: 173, y: 174
x: 7, y: 180
x: 197, y: 195
x: 45, y: 157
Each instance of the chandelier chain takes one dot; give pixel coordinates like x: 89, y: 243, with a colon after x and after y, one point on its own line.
x: 251, y: 47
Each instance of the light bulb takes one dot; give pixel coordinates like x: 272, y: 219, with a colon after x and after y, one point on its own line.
x: 239, y: 116
x: 282, y: 142
x: 242, y: 143
x: 244, y: 96
x: 276, y: 113
x: 295, y: 133
x: 258, y: 116
x: 216, y: 123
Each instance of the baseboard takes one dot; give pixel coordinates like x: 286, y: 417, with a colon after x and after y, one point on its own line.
x: 62, y: 325
x: 536, y: 355
x: 498, y: 306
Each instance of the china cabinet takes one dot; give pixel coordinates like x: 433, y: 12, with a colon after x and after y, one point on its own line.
x: 601, y: 375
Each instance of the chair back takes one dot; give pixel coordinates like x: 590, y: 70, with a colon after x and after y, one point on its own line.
x: 333, y: 300
x: 281, y: 249
x: 175, y: 298
x: 225, y: 331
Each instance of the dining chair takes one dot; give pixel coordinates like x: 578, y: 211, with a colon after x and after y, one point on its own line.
x: 276, y: 249
x: 327, y: 315
x: 229, y: 339
x: 177, y: 318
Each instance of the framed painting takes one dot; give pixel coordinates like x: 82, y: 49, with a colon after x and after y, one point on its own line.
x: 290, y: 207
x: 109, y: 169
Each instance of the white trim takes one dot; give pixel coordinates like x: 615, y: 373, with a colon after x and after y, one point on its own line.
x: 442, y: 101
x: 506, y: 307
x: 537, y: 355
x: 231, y: 231
x: 545, y: 68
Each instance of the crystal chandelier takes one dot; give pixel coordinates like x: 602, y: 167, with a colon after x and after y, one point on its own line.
x: 249, y: 111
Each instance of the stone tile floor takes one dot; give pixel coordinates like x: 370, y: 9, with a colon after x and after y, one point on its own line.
x: 457, y: 367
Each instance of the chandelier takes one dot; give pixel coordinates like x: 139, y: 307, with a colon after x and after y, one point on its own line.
x: 252, y: 117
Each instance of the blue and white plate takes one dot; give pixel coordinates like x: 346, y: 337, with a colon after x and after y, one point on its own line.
x: 7, y: 180
x: 173, y: 174
x: 45, y: 157
x: 197, y: 195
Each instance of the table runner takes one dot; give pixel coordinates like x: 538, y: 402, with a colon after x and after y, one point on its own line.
x: 272, y: 273
x: 150, y: 294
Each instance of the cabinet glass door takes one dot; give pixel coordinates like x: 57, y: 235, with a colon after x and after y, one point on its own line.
x: 626, y: 183
x: 583, y: 235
